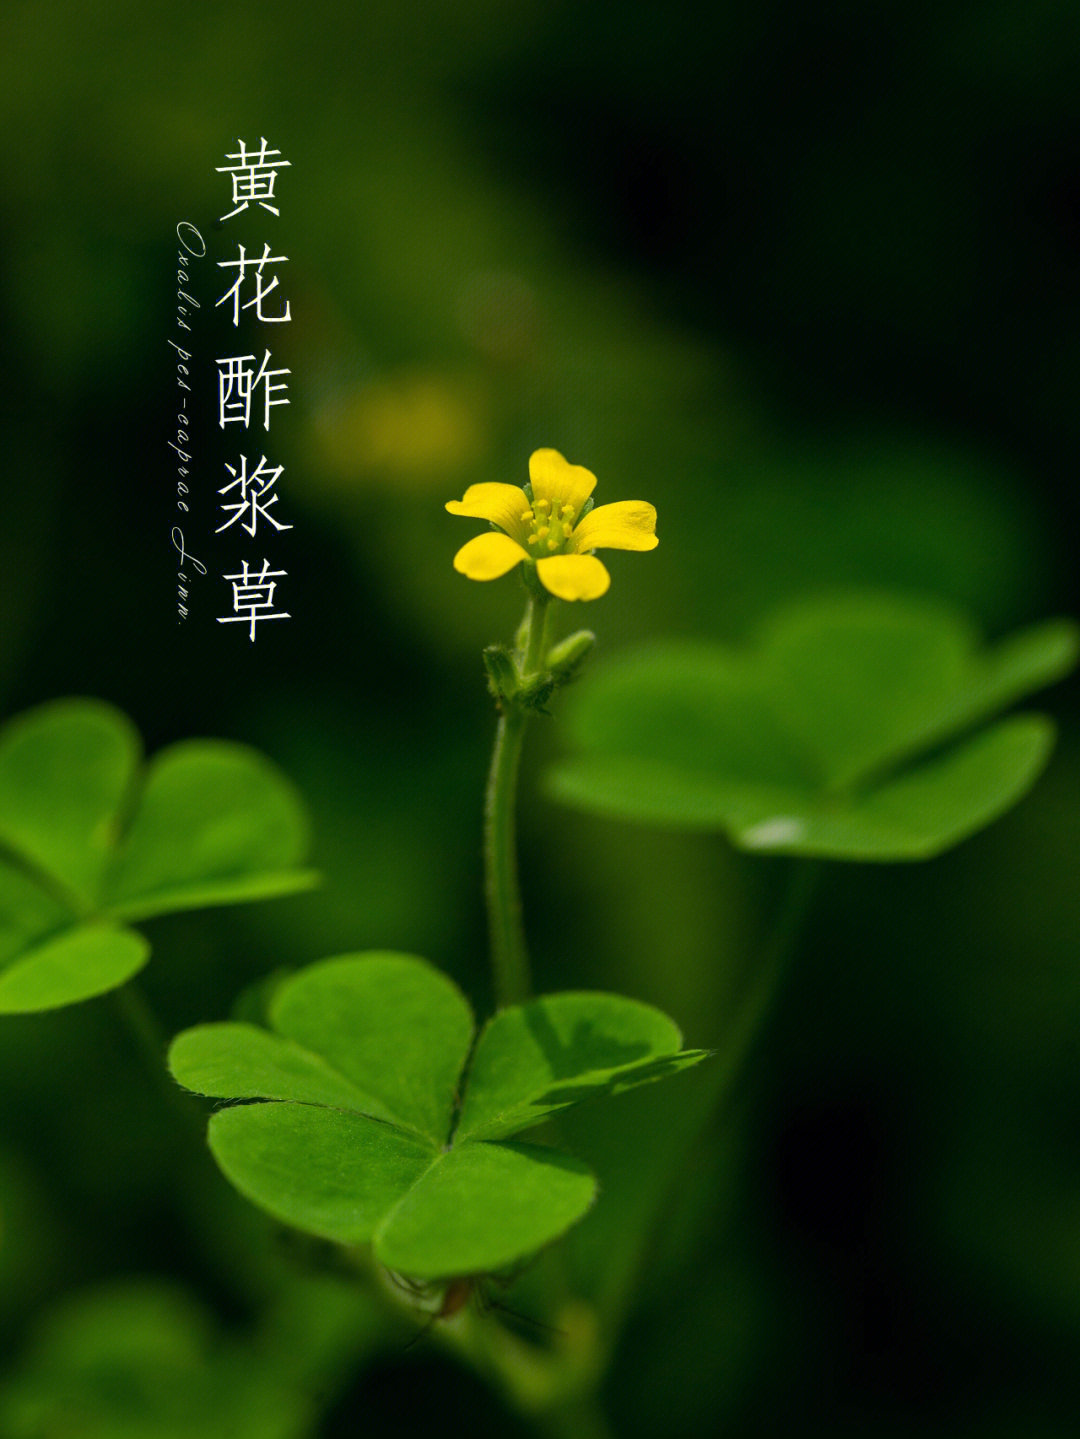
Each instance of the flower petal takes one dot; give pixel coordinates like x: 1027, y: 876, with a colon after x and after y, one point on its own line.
x: 625, y: 525
x: 503, y: 505
x: 573, y: 577
x: 488, y: 556
x: 560, y: 483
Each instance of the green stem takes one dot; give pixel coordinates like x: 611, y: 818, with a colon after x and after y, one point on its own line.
x: 770, y: 970
x: 555, y: 1387
x: 724, y: 1071
x: 538, y: 619
x: 509, y: 955
x: 142, y: 1024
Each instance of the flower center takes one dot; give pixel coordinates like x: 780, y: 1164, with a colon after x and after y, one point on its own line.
x: 549, y: 528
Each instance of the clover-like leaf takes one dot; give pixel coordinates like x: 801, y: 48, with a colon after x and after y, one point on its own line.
x: 89, y: 845
x: 847, y: 732
x: 376, y: 1126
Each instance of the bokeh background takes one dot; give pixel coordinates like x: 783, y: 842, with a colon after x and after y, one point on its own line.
x: 804, y: 276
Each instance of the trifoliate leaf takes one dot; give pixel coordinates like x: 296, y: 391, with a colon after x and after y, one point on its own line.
x: 376, y: 1126
x: 88, y: 841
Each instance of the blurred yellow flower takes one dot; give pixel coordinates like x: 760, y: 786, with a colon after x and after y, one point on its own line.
x: 554, y: 528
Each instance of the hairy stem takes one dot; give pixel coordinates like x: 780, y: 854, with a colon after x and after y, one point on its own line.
x: 509, y: 955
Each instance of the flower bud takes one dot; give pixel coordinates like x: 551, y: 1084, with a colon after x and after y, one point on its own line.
x: 502, y: 673
x: 565, y: 657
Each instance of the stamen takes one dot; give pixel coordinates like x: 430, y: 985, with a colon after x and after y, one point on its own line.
x: 542, y: 506
x: 534, y: 539
x: 553, y: 544
x: 543, y: 532
x: 567, y: 512
x: 526, y: 517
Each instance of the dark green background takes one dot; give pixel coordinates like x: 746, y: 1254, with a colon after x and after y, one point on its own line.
x: 805, y: 277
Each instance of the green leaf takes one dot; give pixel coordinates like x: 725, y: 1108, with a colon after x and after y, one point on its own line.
x: 836, y: 737
x: 474, y: 1209
x: 27, y: 914
x: 481, y: 1207
x: 385, y: 1035
x: 1022, y: 663
x: 330, y: 1173
x: 393, y: 1024
x: 856, y: 682
x: 665, y: 794
x: 82, y: 962
x: 216, y: 823
x: 360, y: 1078
x: 922, y: 813
x: 617, y: 1081
x: 538, y: 1058
x: 241, y: 1061
x: 65, y: 772
x: 672, y: 701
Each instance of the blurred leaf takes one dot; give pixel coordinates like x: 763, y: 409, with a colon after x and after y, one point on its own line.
x: 65, y: 771
x: 824, y: 739
x: 1022, y: 663
x: 364, y: 1072
x: 37, y: 1245
x: 84, y: 961
x: 27, y: 914
x: 927, y: 810
x: 857, y: 682
x: 140, y: 1361
x: 216, y: 824
x: 181, y: 852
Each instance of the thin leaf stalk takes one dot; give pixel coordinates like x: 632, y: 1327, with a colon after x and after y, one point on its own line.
x: 509, y: 953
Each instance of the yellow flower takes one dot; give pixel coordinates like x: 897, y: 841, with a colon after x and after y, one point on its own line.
x: 555, y: 528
